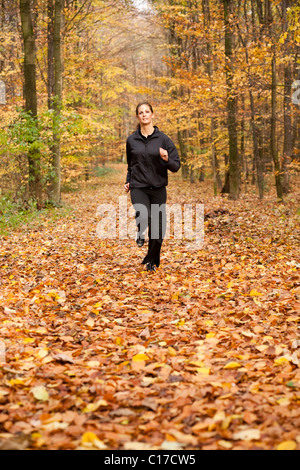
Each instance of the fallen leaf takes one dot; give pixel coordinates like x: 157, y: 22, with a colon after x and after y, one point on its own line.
x: 40, y: 393
x: 232, y: 365
x: 94, y: 406
x: 254, y: 293
x: 61, y: 357
x: 140, y: 357
x: 246, y: 435
x: 89, y: 439
x: 287, y: 445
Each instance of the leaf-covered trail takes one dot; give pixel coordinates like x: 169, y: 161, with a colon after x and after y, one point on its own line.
x: 202, y: 354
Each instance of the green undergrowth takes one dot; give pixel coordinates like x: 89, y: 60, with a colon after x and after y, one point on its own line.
x: 14, y: 216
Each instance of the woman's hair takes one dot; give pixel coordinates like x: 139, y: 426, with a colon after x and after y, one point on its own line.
x: 141, y: 104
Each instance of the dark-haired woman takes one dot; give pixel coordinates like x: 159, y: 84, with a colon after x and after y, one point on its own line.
x: 150, y: 154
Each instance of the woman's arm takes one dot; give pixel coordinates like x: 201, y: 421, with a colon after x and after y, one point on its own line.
x: 170, y: 155
x: 128, y: 155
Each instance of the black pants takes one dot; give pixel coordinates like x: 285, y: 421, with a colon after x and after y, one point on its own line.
x: 150, y: 206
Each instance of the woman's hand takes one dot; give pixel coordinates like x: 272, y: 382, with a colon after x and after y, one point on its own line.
x: 164, y: 154
x: 126, y: 187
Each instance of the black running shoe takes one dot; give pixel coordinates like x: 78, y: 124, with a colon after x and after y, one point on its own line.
x: 150, y: 266
x: 140, y: 241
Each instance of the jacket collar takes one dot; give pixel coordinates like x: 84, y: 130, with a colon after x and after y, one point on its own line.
x: 138, y: 135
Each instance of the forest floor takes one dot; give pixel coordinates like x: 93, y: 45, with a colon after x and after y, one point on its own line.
x: 202, y: 354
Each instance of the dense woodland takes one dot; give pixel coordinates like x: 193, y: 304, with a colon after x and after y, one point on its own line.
x: 95, y: 351
x: 223, y: 77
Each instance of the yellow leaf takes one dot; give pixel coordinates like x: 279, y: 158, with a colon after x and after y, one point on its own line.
x: 283, y: 37
x: 243, y: 357
x: 254, y: 293
x: 287, y: 445
x: 197, y: 363
x: 94, y: 406
x: 209, y: 322
x: 140, y: 357
x: 90, y: 439
x: 28, y: 340
x: 211, y: 335
x: 203, y: 370
x: 226, y: 422
x: 232, y: 365
x: 16, y: 381
x: 98, y: 304
x: 40, y: 393
x: 171, y: 351
x: 280, y: 361
x: 96, y: 312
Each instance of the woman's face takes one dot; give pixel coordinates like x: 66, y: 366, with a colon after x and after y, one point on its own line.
x: 144, y: 115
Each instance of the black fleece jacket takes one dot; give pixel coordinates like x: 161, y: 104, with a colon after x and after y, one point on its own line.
x: 145, y: 165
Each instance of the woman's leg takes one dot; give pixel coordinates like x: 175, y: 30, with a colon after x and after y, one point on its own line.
x: 141, y: 203
x: 157, y: 224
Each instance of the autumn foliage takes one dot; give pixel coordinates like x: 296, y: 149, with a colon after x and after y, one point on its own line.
x: 95, y: 352
x: 222, y: 77
x: 203, y: 354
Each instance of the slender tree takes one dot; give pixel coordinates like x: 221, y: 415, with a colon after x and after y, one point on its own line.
x: 288, y: 140
x: 30, y: 94
x: 273, y: 139
x: 55, y: 16
x: 210, y: 71
x: 258, y: 163
x: 231, y: 102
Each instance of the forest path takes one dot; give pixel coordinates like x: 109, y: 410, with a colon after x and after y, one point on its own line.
x: 204, y: 353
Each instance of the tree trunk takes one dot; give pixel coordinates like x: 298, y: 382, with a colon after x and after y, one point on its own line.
x: 30, y: 94
x: 288, y: 140
x: 274, y: 151
x: 226, y: 187
x: 231, y: 104
x: 50, y: 11
x: 210, y: 69
x: 56, y: 101
x: 268, y: 26
x: 257, y: 153
x: 183, y: 153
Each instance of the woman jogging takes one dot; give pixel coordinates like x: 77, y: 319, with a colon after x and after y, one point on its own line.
x: 150, y: 154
